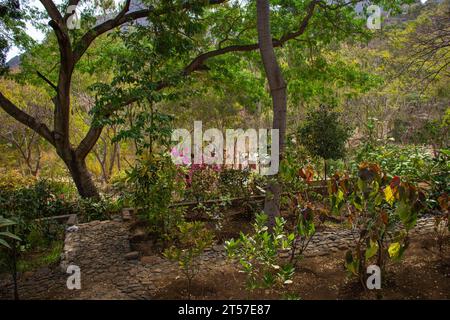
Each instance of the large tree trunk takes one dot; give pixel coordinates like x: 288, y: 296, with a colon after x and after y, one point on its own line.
x: 277, y: 87
x: 82, y: 178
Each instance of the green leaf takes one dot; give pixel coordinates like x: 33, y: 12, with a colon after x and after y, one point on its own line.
x: 371, y: 250
x: 10, y: 235
x: 406, y: 215
x: 4, y: 243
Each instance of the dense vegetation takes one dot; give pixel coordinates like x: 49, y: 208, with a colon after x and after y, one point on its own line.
x: 87, y: 117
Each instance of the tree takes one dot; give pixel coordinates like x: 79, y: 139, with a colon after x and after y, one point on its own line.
x: 324, y: 135
x: 176, y: 29
x: 71, y: 50
x: 10, y: 27
x: 277, y: 87
x: 26, y: 143
x: 424, y: 44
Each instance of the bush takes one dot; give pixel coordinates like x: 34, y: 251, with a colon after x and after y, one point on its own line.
x: 154, y: 182
x: 42, y: 199
x: 94, y: 209
x: 259, y: 254
x: 410, y: 162
x: 12, y: 179
x: 234, y: 182
x: 202, y: 182
x: 305, y: 227
x: 439, y: 175
x: 192, y: 240
x: 375, y: 204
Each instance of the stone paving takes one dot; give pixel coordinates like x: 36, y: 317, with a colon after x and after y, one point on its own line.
x: 110, y: 271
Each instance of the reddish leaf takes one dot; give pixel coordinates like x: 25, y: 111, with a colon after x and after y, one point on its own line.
x: 443, y: 201
x: 395, y: 182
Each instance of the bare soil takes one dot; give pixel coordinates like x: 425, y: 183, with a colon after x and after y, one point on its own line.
x: 422, y: 274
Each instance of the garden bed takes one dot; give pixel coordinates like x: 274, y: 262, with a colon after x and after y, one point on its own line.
x: 421, y: 275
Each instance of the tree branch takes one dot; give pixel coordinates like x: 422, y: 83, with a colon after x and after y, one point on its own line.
x: 47, y: 80
x: 71, y: 3
x: 123, y: 17
x: 52, y: 10
x: 26, y: 119
x: 196, y: 64
x: 89, y: 141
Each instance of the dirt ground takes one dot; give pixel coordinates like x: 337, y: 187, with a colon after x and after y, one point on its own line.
x: 422, y: 274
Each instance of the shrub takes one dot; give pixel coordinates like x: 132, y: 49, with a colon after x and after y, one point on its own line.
x: 305, y: 227
x: 234, y: 182
x: 13, y: 179
x: 410, y: 162
x: 259, y: 254
x: 154, y: 182
x: 42, y: 199
x: 243, y: 184
x: 192, y: 240
x: 375, y: 204
x: 439, y: 175
x: 215, y: 211
x: 94, y: 209
x: 202, y: 182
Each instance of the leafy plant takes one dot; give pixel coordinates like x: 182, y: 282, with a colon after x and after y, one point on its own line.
x: 91, y: 209
x: 234, y: 182
x: 305, y: 227
x: 192, y: 240
x: 202, y: 182
x: 4, y: 224
x: 38, y: 200
x: 374, y: 204
x: 411, y: 162
x: 215, y: 210
x: 154, y: 180
x: 438, y: 177
x: 259, y: 254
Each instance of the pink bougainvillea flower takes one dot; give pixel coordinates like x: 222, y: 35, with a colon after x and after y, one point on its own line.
x: 181, y: 154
